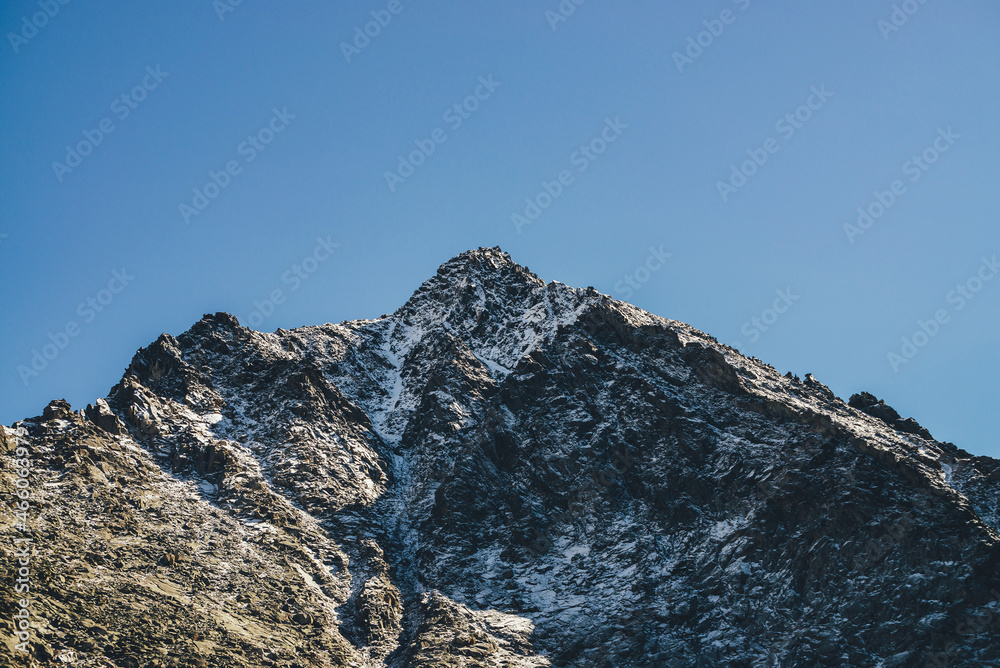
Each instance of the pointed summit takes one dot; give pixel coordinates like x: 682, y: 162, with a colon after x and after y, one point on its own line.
x: 471, y: 284
x: 490, y: 268
x: 492, y: 257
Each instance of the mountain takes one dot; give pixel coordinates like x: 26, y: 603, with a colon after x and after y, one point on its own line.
x: 501, y: 473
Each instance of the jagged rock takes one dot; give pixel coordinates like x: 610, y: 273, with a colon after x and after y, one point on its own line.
x: 378, y: 611
x: 503, y: 472
x: 57, y: 408
x: 100, y: 414
x: 872, y: 405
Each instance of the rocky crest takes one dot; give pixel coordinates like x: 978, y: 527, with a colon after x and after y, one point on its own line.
x: 501, y: 473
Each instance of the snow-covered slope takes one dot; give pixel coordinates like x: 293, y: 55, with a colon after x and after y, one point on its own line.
x: 503, y: 472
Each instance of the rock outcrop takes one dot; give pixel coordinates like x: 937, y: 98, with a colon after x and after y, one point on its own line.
x: 503, y: 472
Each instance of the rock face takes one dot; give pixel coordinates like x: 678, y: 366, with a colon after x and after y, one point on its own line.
x: 501, y: 473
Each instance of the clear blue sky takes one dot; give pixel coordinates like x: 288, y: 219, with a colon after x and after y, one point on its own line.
x: 672, y: 130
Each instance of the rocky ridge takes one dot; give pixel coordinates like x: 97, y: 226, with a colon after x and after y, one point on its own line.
x: 503, y: 472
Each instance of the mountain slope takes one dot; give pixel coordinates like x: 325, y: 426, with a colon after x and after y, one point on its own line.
x: 503, y: 472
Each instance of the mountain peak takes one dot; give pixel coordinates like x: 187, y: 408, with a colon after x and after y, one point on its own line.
x: 490, y: 265
x: 528, y: 474
x: 476, y: 284
x: 489, y: 255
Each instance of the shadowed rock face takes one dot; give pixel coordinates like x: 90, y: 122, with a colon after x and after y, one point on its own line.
x: 503, y: 472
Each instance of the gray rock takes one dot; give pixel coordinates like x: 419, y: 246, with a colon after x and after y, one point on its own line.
x: 503, y: 472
